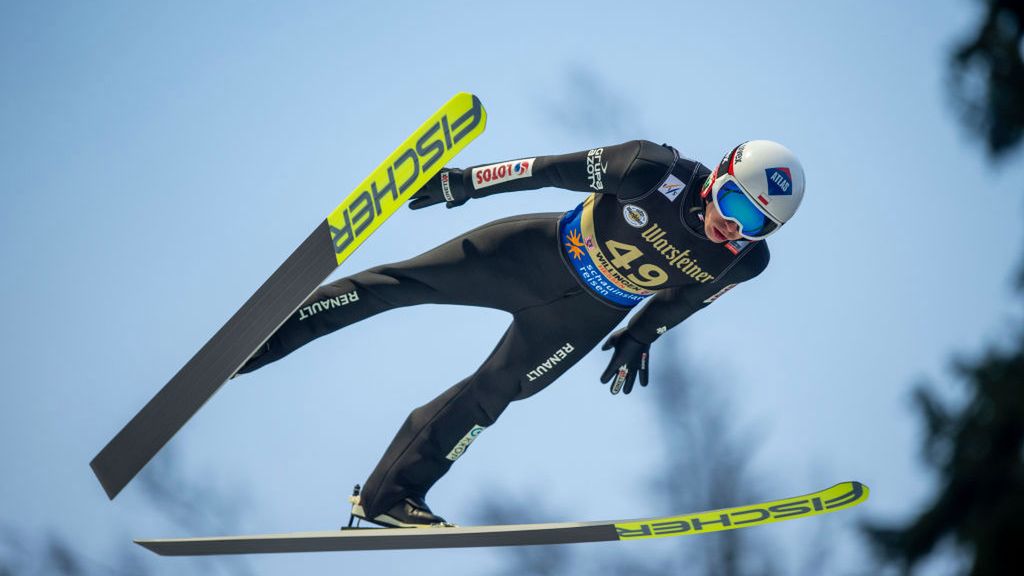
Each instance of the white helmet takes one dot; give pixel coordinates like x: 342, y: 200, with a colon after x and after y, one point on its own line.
x: 770, y: 179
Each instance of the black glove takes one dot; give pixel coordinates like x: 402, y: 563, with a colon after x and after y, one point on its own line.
x: 446, y: 186
x: 628, y: 360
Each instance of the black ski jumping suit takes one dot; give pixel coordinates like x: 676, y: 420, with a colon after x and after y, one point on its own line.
x: 567, y: 279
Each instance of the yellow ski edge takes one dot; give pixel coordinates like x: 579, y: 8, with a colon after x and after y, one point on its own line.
x: 405, y: 171
x: 839, y: 497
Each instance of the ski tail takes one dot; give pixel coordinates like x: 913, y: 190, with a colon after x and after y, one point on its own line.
x: 397, y: 179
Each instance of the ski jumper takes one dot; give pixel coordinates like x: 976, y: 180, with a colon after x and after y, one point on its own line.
x: 567, y: 279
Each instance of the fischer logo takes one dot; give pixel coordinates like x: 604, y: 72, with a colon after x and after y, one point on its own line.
x: 484, y: 176
x: 595, y: 169
x: 328, y: 304
x: 355, y: 217
x: 559, y: 355
x: 737, y: 517
x: 463, y: 444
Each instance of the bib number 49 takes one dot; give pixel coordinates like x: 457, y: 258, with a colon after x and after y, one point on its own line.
x: 647, y: 275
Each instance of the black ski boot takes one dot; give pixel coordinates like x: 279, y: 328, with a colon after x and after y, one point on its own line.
x: 411, y: 512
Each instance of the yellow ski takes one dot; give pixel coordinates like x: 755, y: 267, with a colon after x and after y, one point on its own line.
x: 838, y: 497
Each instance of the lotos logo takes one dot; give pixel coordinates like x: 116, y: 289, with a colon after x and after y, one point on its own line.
x: 780, y: 182
x: 484, y: 176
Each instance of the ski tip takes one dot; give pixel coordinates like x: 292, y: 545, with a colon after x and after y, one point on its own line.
x: 863, y: 487
x: 845, y: 495
x: 475, y: 104
x: 467, y: 95
x: 483, y: 112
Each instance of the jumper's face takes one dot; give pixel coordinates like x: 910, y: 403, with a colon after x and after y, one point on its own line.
x: 717, y: 228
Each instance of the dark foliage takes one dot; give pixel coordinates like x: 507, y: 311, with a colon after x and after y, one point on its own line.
x: 988, y: 77
x: 977, y: 450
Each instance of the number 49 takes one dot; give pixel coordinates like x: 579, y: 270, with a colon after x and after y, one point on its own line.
x: 648, y: 275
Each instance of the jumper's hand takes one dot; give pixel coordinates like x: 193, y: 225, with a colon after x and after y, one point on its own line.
x: 629, y: 359
x: 446, y: 186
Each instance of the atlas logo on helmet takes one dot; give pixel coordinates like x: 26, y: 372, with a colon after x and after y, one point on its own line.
x: 780, y: 181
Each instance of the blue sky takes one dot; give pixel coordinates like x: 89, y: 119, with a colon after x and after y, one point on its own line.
x: 158, y: 161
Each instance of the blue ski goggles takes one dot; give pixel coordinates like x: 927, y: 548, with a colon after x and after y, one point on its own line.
x: 734, y: 204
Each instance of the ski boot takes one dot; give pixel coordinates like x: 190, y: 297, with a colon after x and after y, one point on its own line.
x: 410, y: 512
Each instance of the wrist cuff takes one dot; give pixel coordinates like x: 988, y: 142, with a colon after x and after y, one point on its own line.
x: 446, y: 186
x: 645, y: 336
